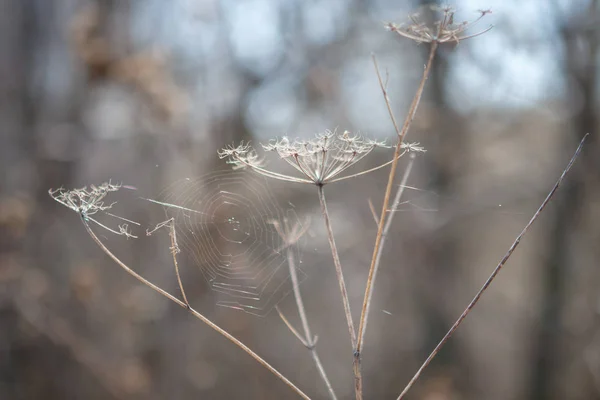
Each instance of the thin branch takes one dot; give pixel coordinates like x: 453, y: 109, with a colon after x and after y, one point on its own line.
x: 174, y: 251
x: 292, y: 329
x: 298, y: 296
x: 401, y: 135
x: 290, y: 236
x: 494, y: 273
x: 489, y: 28
x: 310, y: 341
x: 271, y: 174
x: 373, y: 212
x: 386, y: 229
x: 338, y: 265
x: 123, y: 229
x: 342, y: 283
x: 317, y: 361
x: 368, y: 170
x: 191, y: 310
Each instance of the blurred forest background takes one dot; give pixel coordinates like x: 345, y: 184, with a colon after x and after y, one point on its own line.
x: 145, y: 92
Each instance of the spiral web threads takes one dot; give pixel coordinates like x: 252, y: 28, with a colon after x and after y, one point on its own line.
x: 224, y: 227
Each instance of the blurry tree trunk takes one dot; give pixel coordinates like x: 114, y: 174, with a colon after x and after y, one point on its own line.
x: 437, y: 272
x: 580, y: 40
x: 24, y: 32
x: 18, y: 39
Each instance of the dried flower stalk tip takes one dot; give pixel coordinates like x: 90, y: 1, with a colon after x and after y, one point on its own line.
x: 87, y: 202
x: 83, y: 200
x: 318, y: 161
x: 441, y: 31
x: 241, y: 156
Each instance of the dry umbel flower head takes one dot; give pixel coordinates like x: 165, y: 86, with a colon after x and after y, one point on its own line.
x: 85, y: 201
x: 319, y: 161
x: 442, y: 30
x: 89, y: 201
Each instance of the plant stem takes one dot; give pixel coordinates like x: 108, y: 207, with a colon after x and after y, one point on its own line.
x: 386, y: 200
x: 192, y: 311
x: 343, y: 291
x: 170, y: 223
x: 298, y: 296
x: 309, y: 342
x: 315, y: 357
x: 494, y: 272
x: 386, y: 229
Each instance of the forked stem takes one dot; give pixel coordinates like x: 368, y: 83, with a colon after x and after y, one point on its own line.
x: 388, y: 190
x: 340, y: 277
x: 308, y: 340
x: 170, y: 223
x: 191, y: 310
x: 487, y: 283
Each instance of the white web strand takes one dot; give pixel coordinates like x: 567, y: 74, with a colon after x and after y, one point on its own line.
x: 223, y: 223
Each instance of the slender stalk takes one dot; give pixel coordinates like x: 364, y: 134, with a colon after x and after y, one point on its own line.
x: 174, y: 251
x: 293, y: 330
x: 298, y: 296
x: 192, y: 311
x: 308, y: 341
x: 386, y: 200
x: 386, y: 229
x: 317, y: 360
x: 344, y: 292
x: 494, y: 272
x: 367, y: 171
x: 338, y: 265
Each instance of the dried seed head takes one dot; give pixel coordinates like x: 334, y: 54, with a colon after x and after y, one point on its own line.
x: 318, y: 161
x: 87, y: 202
x: 442, y: 30
x: 240, y: 157
x: 83, y: 200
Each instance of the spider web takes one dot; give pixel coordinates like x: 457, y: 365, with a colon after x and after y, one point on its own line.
x: 225, y: 225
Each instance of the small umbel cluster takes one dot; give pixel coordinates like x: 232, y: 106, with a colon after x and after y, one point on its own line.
x: 318, y: 161
x: 89, y: 201
x: 443, y: 30
x: 85, y: 201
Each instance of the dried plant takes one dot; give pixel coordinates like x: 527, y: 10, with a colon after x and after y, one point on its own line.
x: 318, y: 161
x: 322, y: 160
x: 86, y: 202
x: 495, y: 272
x: 442, y: 30
x: 90, y: 201
x: 291, y: 233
